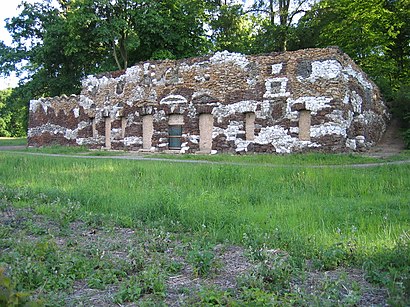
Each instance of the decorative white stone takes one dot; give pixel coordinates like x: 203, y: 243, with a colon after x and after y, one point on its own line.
x: 239, y: 107
x: 193, y: 138
x: 276, y: 68
x: 356, y: 102
x: 85, y: 102
x: 173, y: 99
x: 132, y: 140
x: 328, y: 129
x: 360, y: 139
x: 184, y: 147
x: 351, y: 144
x: 312, y: 104
x: 328, y: 69
x: 34, y: 104
x: 133, y: 74
x: 272, y: 92
x: 241, y: 145
x: 350, y: 72
x: 76, y: 112
x: 159, y: 115
x: 229, y: 57
x: 146, y: 68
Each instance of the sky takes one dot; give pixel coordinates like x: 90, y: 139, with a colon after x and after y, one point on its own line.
x: 8, y: 10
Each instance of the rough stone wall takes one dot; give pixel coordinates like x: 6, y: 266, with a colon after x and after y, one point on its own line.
x: 271, y: 91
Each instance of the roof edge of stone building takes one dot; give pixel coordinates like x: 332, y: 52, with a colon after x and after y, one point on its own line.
x: 335, y: 50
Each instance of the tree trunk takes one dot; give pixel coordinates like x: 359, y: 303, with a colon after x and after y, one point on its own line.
x: 283, y: 20
x: 115, y: 55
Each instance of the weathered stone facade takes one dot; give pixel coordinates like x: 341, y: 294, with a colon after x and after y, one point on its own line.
x: 307, y: 100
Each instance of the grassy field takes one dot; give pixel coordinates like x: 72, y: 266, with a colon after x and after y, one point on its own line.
x: 5, y: 141
x: 321, y: 219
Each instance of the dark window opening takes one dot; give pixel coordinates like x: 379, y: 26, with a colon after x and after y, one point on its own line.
x: 174, y: 137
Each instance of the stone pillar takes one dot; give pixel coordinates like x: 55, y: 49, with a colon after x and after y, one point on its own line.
x: 249, y: 126
x: 93, y: 127
x: 123, y: 124
x: 206, y: 122
x: 147, y: 131
x: 108, y: 132
x: 304, y: 125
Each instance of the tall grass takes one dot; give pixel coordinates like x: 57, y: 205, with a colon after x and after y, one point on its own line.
x: 6, y: 141
x: 293, y: 159
x: 298, y: 209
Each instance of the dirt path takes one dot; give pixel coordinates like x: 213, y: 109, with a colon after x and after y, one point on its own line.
x: 391, y: 143
x: 20, y: 147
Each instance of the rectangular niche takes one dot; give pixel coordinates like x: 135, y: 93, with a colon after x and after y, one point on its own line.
x: 176, y: 121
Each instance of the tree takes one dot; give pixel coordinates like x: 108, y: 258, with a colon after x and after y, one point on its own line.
x: 232, y: 29
x: 366, y: 30
x: 39, y: 36
x: 277, y: 33
x: 57, y: 46
x: 5, y: 114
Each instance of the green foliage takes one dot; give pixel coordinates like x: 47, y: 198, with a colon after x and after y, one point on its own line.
x: 162, y: 55
x: 10, y: 297
x: 150, y: 281
x: 391, y: 268
x: 130, y: 291
x: 232, y: 29
x: 59, y: 149
x: 211, y: 296
x: 401, y: 109
x: 202, y: 260
x: 13, y: 113
x: 406, y: 136
x: 337, y: 291
x: 5, y: 113
x: 56, y: 46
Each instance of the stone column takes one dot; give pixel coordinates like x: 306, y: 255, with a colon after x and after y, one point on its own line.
x: 147, y: 131
x: 249, y: 126
x: 206, y: 122
x: 304, y: 125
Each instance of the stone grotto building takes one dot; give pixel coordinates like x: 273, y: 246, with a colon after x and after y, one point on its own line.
x: 306, y: 100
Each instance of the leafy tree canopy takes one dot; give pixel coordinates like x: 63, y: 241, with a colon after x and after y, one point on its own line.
x: 54, y: 47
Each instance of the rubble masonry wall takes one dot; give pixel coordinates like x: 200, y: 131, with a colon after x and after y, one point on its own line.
x: 306, y: 100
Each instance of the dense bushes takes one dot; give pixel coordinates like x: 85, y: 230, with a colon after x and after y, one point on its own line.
x: 401, y: 109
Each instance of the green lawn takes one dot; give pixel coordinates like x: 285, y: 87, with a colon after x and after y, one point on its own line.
x: 334, y: 216
x: 289, y: 159
x: 305, y: 204
x: 5, y: 141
